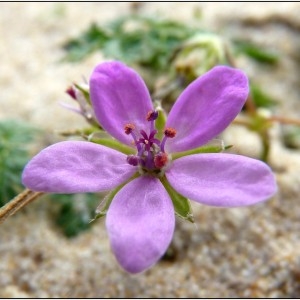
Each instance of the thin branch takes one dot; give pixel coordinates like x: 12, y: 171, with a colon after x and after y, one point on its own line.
x: 284, y: 120
x: 250, y: 106
x: 242, y: 122
x: 24, y: 198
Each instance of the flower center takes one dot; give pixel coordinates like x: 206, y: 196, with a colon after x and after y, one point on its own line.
x: 151, y: 156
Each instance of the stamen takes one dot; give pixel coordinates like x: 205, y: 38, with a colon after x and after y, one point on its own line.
x: 170, y: 132
x: 152, y: 115
x: 160, y: 160
x: 128, y: 128
x: 133, y: 160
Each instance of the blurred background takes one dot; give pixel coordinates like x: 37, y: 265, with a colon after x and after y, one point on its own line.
x: 49, y: 249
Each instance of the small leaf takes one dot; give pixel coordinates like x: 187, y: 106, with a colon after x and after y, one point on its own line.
x: 291, y: 136
x: 89, y: 41
x: 75, y: 212
x: 181, y: 204
x: 260, y: 98
x: 15, y: 138
x: 148, y: 42
x: 256, y: 52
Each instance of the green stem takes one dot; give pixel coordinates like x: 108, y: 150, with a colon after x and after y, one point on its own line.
x: 266, y: 145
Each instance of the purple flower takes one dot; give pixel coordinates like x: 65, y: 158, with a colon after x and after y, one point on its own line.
x: 141, y: 219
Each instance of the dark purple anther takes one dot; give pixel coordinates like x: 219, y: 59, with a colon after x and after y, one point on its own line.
x: 133, y: 160
x: 152, y: 115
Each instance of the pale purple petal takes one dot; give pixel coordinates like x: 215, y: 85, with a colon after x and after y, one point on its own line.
x: 206, y: 107
x: 119, y: 96
x: 224, y: 180
x: 76, y: 167
x: 140, y: 223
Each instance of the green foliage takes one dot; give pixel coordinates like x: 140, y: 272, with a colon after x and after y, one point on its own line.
x: 154, y: 43
x: 149, y: 42
x: 256, y: 52
x: 75, y: 212
x: 15, y: 137
x: 260, y: 98
x: 93, y: 39
x: 291, y: 137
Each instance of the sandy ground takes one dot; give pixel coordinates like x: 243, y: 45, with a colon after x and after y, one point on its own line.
x: 241, y: 252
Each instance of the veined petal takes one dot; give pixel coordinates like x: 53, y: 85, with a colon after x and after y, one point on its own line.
x: 140, y: 223
x: 119, y: 96
x: 76, y: 167
x: 225, y: 180
x: 206, y: 107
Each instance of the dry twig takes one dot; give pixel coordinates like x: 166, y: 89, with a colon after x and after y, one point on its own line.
x: 17, y: 203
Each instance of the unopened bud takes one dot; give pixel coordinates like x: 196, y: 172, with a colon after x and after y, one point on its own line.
x: 71, y: 92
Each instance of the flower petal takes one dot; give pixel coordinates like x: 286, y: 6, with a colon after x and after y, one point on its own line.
x: 76, y: 167
x: 225, y: 180
x: 206, y: 107
x: 140, y: 223
x: 119, y: 96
